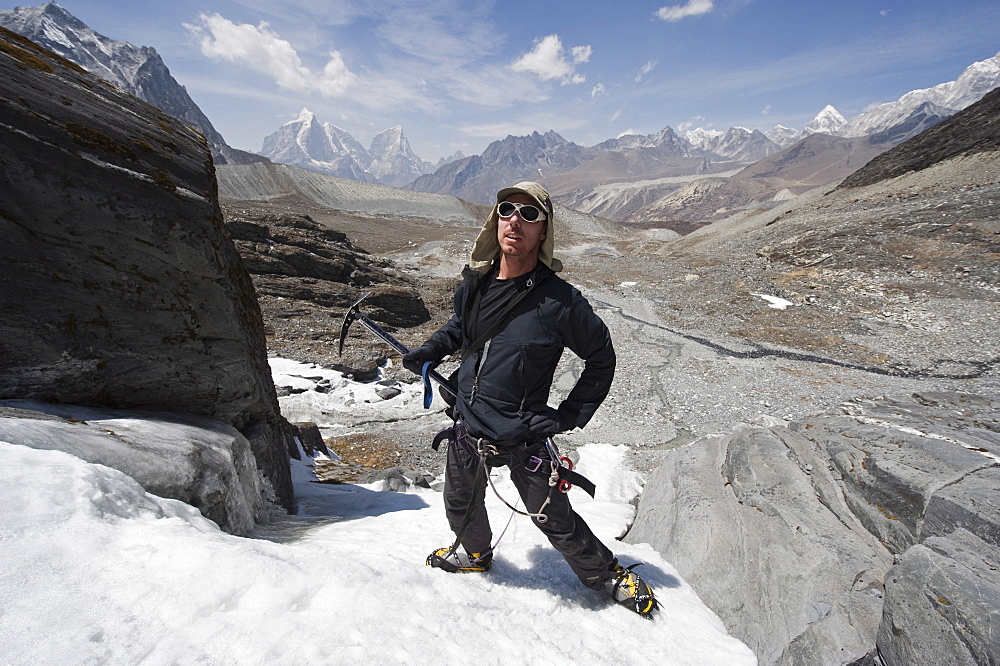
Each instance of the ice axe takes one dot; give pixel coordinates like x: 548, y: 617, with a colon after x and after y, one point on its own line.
x: 354, y: 314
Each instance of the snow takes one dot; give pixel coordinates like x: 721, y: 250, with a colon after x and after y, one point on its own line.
x: 337, y: 404
x: 775, y: 302
x: 97, y: 570
x: 189, y: 457
x: 828, y: 121
x: 53, y: 32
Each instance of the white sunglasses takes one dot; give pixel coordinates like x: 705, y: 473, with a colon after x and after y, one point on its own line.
x: 527, y: 212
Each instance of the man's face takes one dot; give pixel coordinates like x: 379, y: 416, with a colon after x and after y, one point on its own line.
x: 519, y: 238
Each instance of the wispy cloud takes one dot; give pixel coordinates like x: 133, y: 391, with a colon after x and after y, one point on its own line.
x: 840, y: 62
x: 690, y: 8
x: 696, y: 120
x: 644, y: 70
x: 549, y: 60
x: 534, y: 123
x: 766, y: 110
x: 263, y: 50
x: 597, y: 90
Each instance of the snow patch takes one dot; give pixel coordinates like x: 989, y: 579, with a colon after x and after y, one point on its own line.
x: 774, y: 301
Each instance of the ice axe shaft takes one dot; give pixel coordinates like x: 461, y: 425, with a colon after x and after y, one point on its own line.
x: 354, y: 314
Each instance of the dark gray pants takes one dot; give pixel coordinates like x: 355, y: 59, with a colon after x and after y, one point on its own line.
x: 464, y: 500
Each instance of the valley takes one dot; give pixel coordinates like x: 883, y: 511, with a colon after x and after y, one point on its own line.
x: 893, y: 289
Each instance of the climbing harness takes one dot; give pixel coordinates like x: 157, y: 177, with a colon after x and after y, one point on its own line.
x: 560, y: 472
x: 564, y: 468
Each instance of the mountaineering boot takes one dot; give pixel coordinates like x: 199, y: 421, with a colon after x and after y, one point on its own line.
x: 628, y: 589
x: 453, y: 561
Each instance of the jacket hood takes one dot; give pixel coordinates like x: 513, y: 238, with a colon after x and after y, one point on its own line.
x: 487, y: 248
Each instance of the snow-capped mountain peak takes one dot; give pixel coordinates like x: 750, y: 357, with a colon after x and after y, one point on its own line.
x: 305, y: 117
x: 703, y: 138
x: 975, y: 81
x: 783, y: 136
x: 321, y: 146
x: 393, y: 161
x: 827, y: 121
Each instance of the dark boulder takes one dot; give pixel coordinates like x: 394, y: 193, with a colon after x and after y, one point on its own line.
x: 118, y: 284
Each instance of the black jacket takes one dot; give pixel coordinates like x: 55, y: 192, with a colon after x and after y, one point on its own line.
x: 498, y: 399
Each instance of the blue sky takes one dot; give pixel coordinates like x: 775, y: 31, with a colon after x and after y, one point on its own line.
x: 457, y: 74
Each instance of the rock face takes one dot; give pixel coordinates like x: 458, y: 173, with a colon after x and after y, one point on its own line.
x: 941, y: 603
x: 120, y: 287
x: 790, y: 533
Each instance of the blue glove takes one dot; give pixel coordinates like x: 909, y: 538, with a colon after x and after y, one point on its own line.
x: 414, y: 359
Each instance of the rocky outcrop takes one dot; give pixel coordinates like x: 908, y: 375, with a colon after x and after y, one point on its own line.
x: 293, y: 258
x: 941, y: 603
x: 120, y: 287
x: 867, y: 534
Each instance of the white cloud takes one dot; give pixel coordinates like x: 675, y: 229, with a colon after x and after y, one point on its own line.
x: 581, y: 54
x: 691, y: 8
x: 627, y: 132
x: 766, y: 110
x: 263, y: 50
x: 644, y: 70
x: 548, y: 61
x: 597, y: 90
x: 883, y: 12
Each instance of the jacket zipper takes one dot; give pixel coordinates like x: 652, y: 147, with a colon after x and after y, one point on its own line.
x: 479, y: 369
x: 524, y: 383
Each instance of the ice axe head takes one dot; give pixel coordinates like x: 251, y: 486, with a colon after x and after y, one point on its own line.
x: 352, y: 314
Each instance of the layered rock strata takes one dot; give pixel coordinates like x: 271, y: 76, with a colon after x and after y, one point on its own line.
x: 119, y: 286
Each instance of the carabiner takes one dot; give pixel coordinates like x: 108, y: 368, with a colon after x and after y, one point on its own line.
x: 566, y: 486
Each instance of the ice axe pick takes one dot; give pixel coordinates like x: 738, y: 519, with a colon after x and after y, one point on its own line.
x: 354, y: 314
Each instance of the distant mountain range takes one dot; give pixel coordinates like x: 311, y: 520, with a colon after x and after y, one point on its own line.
x: 651, y: 179
x: 136, y: 70
x: 585, y: 178
x: 676, y: 181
